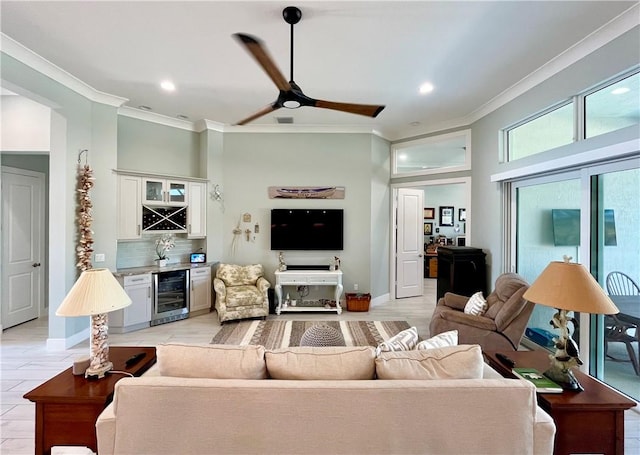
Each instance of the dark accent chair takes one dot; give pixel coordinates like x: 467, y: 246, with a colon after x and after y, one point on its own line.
x: 501, y: 327
x: 615, y: 330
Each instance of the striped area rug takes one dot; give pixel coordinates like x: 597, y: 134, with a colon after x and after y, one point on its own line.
x: 273, y: 334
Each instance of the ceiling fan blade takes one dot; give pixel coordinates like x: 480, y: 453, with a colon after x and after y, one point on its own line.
x: 264, y: 111
x: 369, y: 110
x: 259, y: 52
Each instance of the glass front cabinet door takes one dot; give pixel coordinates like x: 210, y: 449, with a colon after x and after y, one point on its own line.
x: 164, y: 192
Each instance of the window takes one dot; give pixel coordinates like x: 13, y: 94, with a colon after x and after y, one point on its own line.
x: 443, y: 153
x: 545, y: 131
x: 613, y: 107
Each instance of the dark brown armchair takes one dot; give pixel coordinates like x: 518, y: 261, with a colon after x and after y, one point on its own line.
x: 500, y: 328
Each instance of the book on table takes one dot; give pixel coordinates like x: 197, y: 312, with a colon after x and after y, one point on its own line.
x: 543, y: 384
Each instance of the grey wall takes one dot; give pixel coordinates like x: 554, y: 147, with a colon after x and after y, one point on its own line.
x: 149, y: 147
x: 85, y: 125
x: 253, y: 162
x: 613, y: 58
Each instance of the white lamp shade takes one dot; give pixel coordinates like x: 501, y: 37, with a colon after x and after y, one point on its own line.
x: 570, y: 286
x: 97, y: 291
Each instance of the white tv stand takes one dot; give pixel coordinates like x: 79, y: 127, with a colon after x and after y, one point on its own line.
x: 308, y: 278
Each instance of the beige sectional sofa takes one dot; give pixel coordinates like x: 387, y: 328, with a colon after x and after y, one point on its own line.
x: 218, y: 399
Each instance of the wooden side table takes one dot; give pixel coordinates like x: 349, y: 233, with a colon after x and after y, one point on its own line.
x: 68, y: 406
x: 586, y: 422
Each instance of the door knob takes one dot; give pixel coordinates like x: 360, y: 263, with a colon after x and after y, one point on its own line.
x: 36, y: 264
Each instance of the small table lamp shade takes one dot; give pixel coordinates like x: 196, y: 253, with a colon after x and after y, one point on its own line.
x: 568, y: 286
x: 95, y: 294
x: 96, y: 291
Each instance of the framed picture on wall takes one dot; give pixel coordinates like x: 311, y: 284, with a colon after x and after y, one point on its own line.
x: 446, y: 216
x: 429, y: 213
x: 428, y: 228
x: 462, y: 214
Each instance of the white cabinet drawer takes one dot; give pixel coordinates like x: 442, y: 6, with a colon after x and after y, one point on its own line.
x: 294, y: 280
x: 132, y: 280
x: 323, y: 280
x: 201, y: 271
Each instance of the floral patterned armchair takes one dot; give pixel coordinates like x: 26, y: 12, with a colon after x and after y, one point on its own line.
x: 241, y: 292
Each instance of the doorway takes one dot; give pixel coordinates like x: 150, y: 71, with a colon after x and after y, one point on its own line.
x: 23, y: 245
x: 435, y: 193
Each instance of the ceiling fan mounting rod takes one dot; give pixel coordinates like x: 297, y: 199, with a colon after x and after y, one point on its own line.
x: 292, y: 16
x: 291, y: 56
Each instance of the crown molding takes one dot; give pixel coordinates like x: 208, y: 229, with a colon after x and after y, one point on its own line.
x: 605, y: 34
x: 153, y: 117
x: 597, y: 39
x: 25, y: 55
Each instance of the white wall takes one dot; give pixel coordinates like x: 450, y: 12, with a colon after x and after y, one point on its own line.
x: 25, y: 125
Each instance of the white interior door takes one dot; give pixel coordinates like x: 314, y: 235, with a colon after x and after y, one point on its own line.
x: 22, y: 244
x: 410, y: 244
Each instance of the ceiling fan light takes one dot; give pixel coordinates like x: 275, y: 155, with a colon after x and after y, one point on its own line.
x: 291, y: 104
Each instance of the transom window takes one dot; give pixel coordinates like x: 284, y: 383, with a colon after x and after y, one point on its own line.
x: 437, y: 154
x: 612, y: 105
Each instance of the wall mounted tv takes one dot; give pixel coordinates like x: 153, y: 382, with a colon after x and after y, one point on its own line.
x: 307, y: 229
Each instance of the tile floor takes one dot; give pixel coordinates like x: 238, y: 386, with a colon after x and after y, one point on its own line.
x: 25, y: 362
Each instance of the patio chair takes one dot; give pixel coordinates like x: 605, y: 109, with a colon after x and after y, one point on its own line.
x: 616, y: 330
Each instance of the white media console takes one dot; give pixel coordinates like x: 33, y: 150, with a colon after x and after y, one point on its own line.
x: 308, y: 278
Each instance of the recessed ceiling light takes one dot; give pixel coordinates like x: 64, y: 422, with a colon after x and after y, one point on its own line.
x: 168, y: 86
x: 425, y: 88
x: 620, y: 90
x: 144, y: 108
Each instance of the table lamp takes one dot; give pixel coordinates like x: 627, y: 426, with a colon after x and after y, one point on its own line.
x: 95, y: 294
x: 568, y: 286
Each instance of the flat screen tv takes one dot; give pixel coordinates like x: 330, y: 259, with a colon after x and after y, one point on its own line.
x: 307, y: 229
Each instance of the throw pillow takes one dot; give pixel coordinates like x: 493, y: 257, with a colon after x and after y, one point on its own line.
x: 441, y: 340
x: 452, y: 362
x: 476, y: 305
x: 213, y: 361
x: 403, y: 341
x: 321, y: 363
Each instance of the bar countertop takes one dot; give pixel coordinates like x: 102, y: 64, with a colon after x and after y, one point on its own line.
x: 156, y: 269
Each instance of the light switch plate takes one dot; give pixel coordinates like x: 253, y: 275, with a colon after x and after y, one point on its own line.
x: 100, y: 257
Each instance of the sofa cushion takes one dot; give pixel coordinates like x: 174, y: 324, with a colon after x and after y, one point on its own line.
x: 214, y: 361
x: 441, y: 340
x: 402, y: 341
x: 243, y: 295
x: 476, y: 305
x: 239, y: 275
x: 453, y: 362
x: 321, y: 363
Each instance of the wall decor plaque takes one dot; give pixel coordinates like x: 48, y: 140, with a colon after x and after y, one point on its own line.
x: 306, y: 192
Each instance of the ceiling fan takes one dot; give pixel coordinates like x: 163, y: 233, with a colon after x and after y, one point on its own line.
x: 291, y: 95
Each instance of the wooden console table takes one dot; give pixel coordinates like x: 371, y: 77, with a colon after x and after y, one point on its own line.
x: 586, y: 422
x: 68, y: 406
x: 309, y: 278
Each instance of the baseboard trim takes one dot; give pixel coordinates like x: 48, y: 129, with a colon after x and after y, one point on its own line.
x: 62, y: 344
x: 379, y: 300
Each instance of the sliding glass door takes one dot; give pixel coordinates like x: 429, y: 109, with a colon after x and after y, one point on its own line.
x: 615, y: 261
x: 593, y: 216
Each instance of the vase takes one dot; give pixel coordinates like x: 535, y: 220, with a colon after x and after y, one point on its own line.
x: 162, y: 262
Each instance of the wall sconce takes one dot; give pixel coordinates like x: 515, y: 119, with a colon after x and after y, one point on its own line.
x: 216, y: 195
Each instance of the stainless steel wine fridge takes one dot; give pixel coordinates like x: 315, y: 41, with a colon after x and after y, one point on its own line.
x: 171, y: 296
